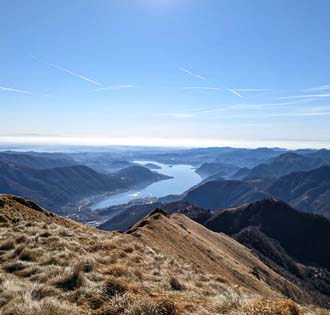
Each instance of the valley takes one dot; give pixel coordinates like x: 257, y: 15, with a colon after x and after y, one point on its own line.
x: 181, y: 178
x: 165, y: 157
x: 253, y: 238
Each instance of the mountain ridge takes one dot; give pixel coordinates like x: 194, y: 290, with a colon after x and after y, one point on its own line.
x: 56, y: 187
x: 52, y: 265
x: 306, y: 191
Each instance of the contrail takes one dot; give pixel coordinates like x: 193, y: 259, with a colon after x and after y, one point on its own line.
x: 186, y: 71
x: 319, y: 88
x: 199, y: 77
x: 9, y: 89
x: 75, y: 74
x: 304, y: 96
x: 115, y: 87
x: 78, y: 75
x: 211, y: 88
x: 192, y: 74
x: 234, y: 92
x: 252, y: 90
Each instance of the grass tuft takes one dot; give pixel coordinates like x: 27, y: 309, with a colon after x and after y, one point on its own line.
x: 113, y: 287
x: 162, y: 307
x: 7, y: 245
x: 272, y: 307
x: 29, y: 255
x: 70, y: 280
x: 176, y: 285
x: 14, y: 267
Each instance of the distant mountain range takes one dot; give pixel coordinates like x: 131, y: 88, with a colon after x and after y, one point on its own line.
x: 238, y: 157
x: 60, y: 186
x: 217, y: 170
x: 256, y: 228
x: 249, y: 157
x: 285, y: 164
x: 278, y: 166
x: 231, y: 177
x: 307, y: 191
x: 31, y: 161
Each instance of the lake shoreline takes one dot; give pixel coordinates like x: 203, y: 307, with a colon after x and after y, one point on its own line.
x: 182, y: 178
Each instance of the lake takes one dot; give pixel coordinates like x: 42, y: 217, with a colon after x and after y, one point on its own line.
x: 184, y: 177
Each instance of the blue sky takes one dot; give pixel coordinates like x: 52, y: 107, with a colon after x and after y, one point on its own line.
x: 166, y: 72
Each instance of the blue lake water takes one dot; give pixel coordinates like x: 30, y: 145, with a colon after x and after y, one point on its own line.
x: 184, y: 177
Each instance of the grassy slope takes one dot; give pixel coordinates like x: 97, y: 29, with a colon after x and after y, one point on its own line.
x: 51, y: 265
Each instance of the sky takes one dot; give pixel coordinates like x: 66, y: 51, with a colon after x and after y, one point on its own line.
x: 166, y: 72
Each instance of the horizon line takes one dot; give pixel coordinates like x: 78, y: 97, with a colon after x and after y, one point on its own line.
x: 16, y: 140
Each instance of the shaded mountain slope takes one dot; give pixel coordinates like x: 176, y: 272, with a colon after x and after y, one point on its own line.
x: 313, y: 279
x: 277, y: 166
x: 303, y: 236
x: 216, y: 169
x: 134, y: 176
x: 221, y: 194
x: 30, y: 161
x: 291, y: 243
x: 306, y: 191
x: 56, y: 187
x: 248, y: 157
x: 51, y: 265
x: 128, y: 215
x: 285, y: 164
x: 322, y: 154
x: 152, y: 166
x: 178, y: 236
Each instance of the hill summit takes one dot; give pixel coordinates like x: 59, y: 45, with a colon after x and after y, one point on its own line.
x: 165, y: 264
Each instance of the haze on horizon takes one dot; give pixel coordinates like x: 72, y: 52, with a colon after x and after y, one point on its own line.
x: 165, y: 73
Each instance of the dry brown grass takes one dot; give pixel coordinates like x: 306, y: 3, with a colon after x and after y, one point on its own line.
x: 70, y: 280
x: 7, y: 245
x: 175, y: 284
x: 53, y: 266
x: 272, y: 307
